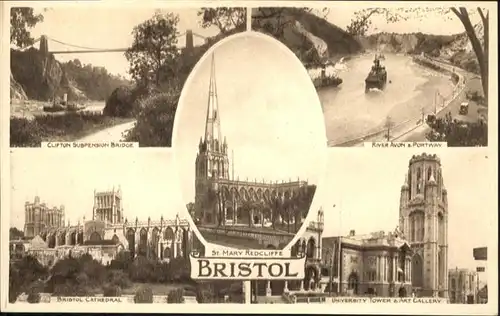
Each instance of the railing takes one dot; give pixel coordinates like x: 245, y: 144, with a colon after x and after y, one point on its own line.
x: 410, y: 125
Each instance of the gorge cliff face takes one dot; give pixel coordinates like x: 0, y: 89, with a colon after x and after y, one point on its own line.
x: 309, y: 36
x: 39, y: 77
x: 454, y: 48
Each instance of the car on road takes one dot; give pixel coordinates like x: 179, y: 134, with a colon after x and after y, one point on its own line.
x: 464, y: 108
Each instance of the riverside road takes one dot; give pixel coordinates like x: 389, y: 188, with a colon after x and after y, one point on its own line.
x: 411, y: 88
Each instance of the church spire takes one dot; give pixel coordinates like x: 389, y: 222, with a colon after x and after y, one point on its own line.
x: 212, y: 127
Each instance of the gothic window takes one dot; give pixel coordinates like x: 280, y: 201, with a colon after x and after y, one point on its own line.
x: 371, y: 275
x: 419, y: 178
x: 429, y: 173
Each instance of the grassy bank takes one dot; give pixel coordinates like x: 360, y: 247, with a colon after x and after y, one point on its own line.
x: 66, y: 127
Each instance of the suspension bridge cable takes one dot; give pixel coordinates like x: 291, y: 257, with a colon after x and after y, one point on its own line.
x: 75, y: 46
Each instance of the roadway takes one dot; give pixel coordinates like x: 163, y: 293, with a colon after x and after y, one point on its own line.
x: 111, y: 134
x: 472, y: 83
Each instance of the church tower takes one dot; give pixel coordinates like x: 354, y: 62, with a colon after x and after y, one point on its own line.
x: 423, y: 218
x: 212, y: 161
x: 108, y: 206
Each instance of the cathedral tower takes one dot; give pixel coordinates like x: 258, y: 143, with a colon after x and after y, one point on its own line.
x: 423, y: 218
x: 108, y: 206
x: 212, y: 161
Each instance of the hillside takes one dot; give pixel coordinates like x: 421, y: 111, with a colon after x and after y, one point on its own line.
x: 454, y: 48
x: 309, y: 36
x: 313, y: 39
x: 43, y: 78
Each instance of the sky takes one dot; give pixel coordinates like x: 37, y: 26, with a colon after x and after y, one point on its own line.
x: 364, y: 185
x: 69, y: 177
x: 102, y: 27
x: 430, y: 23
x: 269, y: 111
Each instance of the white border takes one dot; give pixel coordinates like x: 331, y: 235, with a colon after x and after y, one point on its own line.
x: 392, y: 309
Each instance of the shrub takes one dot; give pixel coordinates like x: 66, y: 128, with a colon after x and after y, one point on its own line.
x: 34, y: 292
x: 176, y: 296
x: 110, y: 290
x: 25, y: 133
x: 120, y: 103
x: 143, y: 295
x: 155, y: 120
x: 118, y: 278
x: 457, y: 133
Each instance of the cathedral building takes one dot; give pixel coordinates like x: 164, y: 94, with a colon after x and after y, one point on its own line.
x: 39, y: 217
x: 104, y: 236
x: 222, y: 200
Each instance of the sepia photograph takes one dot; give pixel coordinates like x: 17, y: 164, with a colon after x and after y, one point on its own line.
x: 96, y: 231
x: 329, y: 153
x: 411, y: 229
x: 249, y: 143
x: 388, y: 74
x: 113, y: 74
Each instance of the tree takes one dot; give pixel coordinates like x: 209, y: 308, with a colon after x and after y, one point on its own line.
x: 457, y: 133
x: 143, y: 295
x: 361, y: 23
x: 481, y: 51
x: 21, y: 21
x: 225, y: 19
x: 176, y: 296
x: 23, y: 274
x: 153, y: 55
x: 15, y: 233
x: 155, y: 120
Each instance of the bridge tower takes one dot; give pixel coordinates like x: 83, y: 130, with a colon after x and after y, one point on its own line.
x: 212, y: 161
x: 44, y: 45
x: 189, y: 42
x: 423, y: 218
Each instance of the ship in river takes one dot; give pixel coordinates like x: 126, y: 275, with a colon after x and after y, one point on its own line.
x: 324, y: 80
x: 63, y: 106
x: 377, y: 78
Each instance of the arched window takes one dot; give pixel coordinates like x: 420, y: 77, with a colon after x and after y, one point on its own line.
x: 419, y: 179
x: 429, y: 173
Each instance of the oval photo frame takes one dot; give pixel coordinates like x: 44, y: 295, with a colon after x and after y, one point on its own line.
x: 280, y: 133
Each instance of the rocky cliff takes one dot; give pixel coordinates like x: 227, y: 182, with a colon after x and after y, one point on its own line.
x: 455, y: 48
x: 309, y: 36
x: 39, y: 77
x: 313, y: 38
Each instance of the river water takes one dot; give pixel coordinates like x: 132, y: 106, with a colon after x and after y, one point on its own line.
x: 350, y: 113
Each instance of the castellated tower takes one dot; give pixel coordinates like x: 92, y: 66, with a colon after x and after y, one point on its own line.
x: 212, y: 161
x: 38, y: 217
x: 423, y: 218
x: 108, y: 206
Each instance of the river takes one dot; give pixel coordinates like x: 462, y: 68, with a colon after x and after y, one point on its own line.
x: 350, y: 113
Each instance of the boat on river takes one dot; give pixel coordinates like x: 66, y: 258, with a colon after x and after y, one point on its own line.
x: 377, y: 77
x: 324, y: 80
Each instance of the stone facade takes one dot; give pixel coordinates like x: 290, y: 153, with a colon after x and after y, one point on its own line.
x: 375, y: 264
x: 463, y: 287
x: 309, y: 244
x: 423, y: 218
x: 39, y: 217
x: 107, y: 234
x: 220, y: 199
